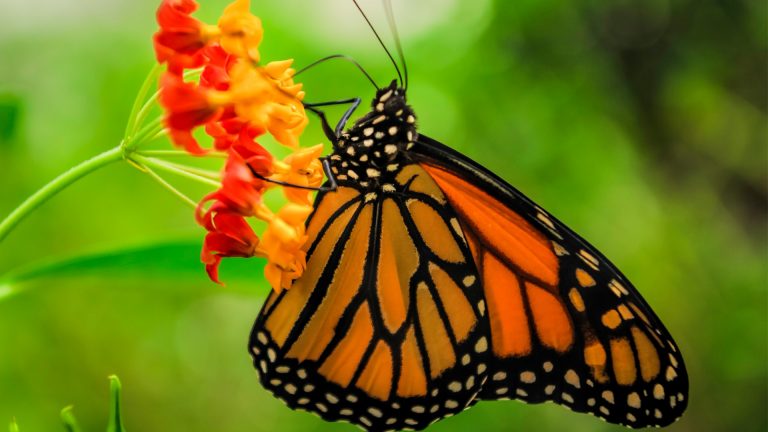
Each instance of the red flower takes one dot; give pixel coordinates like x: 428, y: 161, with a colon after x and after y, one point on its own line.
x: 187, y: 107
x: 230, y: 130
x: 181, y: 38
x: 229, y: 235
x: 241, y: 190
x: 217, y: 65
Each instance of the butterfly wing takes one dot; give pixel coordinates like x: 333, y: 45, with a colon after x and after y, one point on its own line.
x: 386, y: 328
x: 566, y: 325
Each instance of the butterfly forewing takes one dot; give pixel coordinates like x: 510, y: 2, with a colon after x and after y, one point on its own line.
x: 566, y: 326
x: 386, y: 328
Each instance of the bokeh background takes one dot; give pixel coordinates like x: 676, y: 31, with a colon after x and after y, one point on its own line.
x: 640, y: 123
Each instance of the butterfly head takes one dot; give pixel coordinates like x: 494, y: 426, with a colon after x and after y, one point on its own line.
x: 374, y: 148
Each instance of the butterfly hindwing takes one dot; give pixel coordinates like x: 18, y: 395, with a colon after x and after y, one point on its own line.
x: 566, y: 326
x: 387, y: 327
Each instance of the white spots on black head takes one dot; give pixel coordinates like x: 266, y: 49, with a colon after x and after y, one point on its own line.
x: 351, y: 150
x: 385, y: 97
x: 363, y: 158
x: 392, y: 167
x: 368, y: 131
x: 378, y: 135
x: 352, y: 175
x: 379, y: 107
x: 392, y: 130
x: 368, y: 143
x: 372, y: 172
x: 390, y: 149
x: 411, y: 119
x: 379, y: 119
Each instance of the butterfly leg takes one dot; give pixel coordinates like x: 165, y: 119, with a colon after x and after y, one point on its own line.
x: 334, y: 133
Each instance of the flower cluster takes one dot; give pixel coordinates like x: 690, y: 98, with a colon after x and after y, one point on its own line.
x: 237, y: 99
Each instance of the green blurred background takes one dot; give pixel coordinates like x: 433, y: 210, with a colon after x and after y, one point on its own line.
x: 640, y: 123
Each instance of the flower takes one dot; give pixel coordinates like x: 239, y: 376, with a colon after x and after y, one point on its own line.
x: 187, y: 106
x: 301, y: 168
x: 241, y: 190
x: 241, y: 32
x: 236, y: 100
x: 268, y: 98
x: 181, y: 38
x: 282, y: 244
x: 229, y: 235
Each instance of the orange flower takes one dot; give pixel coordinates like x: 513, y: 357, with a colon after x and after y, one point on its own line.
x: 282, y: 244
x: 268, y: 98
x: 301, y: 168
x: 241, y: 31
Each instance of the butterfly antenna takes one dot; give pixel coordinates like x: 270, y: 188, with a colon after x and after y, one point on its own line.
x: 398, y: 45
x: 381, y: 42
x: 342, y: 57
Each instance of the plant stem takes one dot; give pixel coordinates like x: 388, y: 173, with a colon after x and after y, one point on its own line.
x: 168, y: 186
x: 56, y: 185
x: 172, y: 153
x: 172, y: 168
x: 133, y: 121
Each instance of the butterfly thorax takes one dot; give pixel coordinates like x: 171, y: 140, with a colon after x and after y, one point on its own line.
x: 373, y: 150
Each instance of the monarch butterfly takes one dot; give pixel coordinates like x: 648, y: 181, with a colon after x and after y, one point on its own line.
x: 432, y: 284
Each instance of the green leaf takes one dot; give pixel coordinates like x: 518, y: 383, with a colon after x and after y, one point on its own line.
x: 115, y: 419
x: 174, y: 260
x: 14, y: 427
x: 70, y: 423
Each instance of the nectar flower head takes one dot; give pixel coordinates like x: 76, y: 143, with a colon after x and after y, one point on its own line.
x: 236, y: 100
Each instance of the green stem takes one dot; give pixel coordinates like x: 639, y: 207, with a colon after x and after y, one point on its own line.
x: 137, y: 103
x: 173, y: 153
x: 56, y: 185
x: 172, y: 168
x: 151, y: 129
x: 168, y: 186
